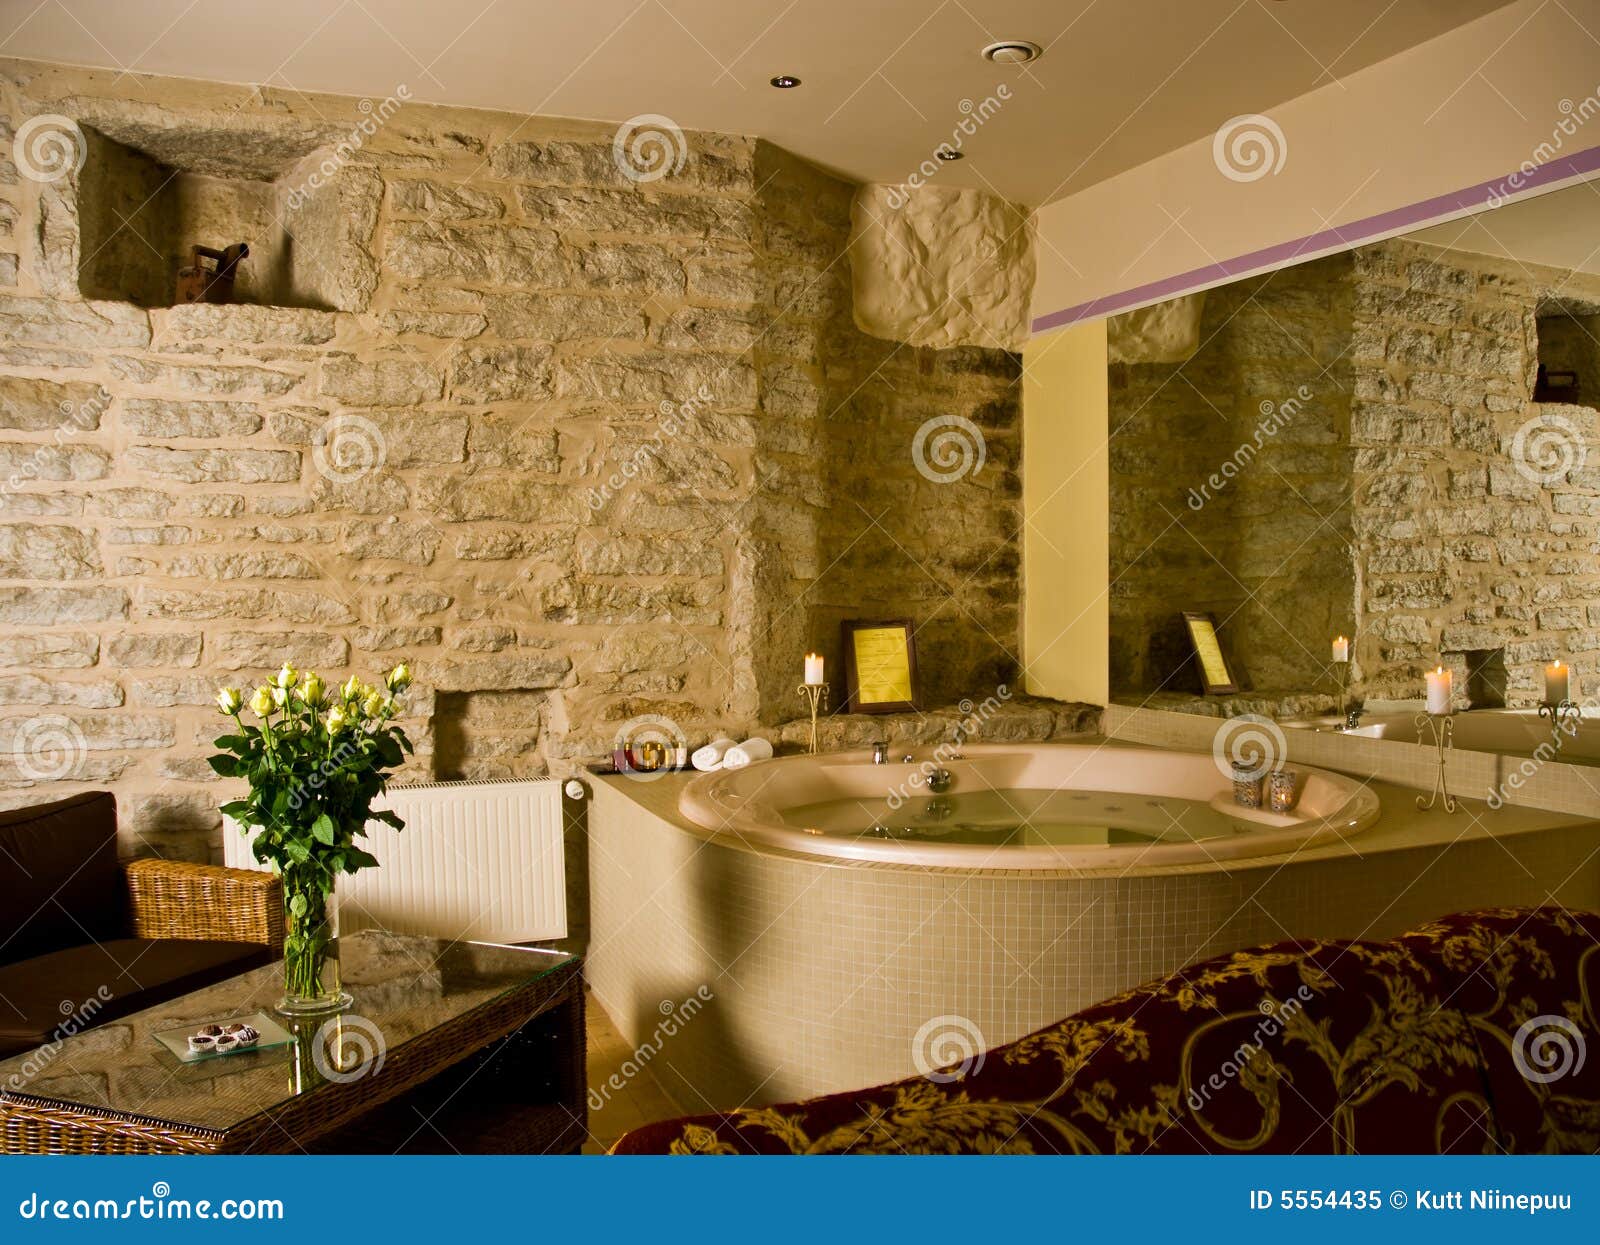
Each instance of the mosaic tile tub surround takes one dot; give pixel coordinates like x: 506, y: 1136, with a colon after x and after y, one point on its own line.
x: 827, y: 975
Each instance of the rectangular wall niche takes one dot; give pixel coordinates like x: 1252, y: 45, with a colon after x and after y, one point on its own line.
x: 1569, y: 352
x: 145, y: 199
x: 486, y: 734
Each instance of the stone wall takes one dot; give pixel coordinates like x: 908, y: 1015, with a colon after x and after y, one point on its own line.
x: 1417, y: 499
x: 583, y: 449
x: 1474, y: 507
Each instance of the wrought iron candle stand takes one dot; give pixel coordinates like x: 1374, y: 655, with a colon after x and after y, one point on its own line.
x: 1341, y: 672
x: 816, y: 697
x: 1560, y: 714
x: 1440, y: 727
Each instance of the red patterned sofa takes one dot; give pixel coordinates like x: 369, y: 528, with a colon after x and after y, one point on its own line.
x: 1478, y: 1033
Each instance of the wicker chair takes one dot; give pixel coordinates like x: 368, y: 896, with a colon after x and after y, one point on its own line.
x: 79, y: 925
x: 174, y: 899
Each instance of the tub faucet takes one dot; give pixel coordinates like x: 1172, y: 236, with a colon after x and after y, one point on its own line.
x: 1352, y: 720
x: 958, y: 740
x: 880, y: 753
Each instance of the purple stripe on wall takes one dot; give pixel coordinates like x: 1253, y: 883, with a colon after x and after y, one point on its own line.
x: 1484, y: 194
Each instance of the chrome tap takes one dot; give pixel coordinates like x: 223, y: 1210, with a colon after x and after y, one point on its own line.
x: 1352, y: 720
x: 958, y: 739
x: 880, y: 752
x: 939, y: 781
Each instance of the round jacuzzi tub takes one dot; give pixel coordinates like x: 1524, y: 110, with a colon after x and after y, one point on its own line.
x: 1037, y: 806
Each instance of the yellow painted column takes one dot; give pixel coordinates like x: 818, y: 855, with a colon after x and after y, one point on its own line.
x: 1067, y: 517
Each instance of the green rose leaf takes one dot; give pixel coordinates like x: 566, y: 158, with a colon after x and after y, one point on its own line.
x: 323, y: 829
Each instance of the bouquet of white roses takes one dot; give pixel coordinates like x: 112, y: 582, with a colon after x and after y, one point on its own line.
x: 315, y: 759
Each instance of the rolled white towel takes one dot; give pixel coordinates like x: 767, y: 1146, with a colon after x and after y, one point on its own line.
x: 754, y: 749
x: 710, y: 757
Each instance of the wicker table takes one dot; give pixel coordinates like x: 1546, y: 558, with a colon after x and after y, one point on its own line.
x: 448, y: 1047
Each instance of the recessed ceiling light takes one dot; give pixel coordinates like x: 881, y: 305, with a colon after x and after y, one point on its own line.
x: 950, y: 153
x: 784, y: 81
x: 1013, y: 52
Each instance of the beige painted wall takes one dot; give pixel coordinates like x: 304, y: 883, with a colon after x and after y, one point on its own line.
x: 1065, y: 499
x: 1462, y: 109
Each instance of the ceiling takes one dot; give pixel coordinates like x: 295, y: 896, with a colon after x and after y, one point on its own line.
x: 883, y: 81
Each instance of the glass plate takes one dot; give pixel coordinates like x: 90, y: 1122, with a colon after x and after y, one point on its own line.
x: 272, y: 1034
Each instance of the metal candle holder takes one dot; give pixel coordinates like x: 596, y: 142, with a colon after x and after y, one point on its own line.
x: 1559, y: 713
x: 816, y: 697
x: 1441, y: 727
x: 1341, y: 672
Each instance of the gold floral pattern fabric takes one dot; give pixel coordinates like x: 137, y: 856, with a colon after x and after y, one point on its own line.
x: 1409, y: 1046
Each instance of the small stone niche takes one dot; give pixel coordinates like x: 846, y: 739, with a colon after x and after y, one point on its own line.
x: 147, y: 196
x: 1569, y: 356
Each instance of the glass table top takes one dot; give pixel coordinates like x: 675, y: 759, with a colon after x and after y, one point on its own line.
x: 405, y: 987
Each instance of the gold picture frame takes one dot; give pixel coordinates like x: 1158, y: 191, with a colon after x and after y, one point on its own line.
x: 880, y: 666
x: 1216, y: 676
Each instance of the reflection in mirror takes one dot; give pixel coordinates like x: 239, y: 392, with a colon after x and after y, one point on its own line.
x: 1397, y: 445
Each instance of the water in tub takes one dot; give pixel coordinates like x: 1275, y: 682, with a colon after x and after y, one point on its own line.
x: 1018, y: 817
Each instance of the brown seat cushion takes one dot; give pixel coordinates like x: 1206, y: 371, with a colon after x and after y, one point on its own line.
x: 104, y: 981
x: 60, y: 877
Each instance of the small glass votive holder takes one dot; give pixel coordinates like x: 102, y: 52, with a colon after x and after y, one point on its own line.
x: 1283, y: 790
x: 1247, y: 784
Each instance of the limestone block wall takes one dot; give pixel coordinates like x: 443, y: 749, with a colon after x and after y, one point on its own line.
x: 583, y: 447
x: 1474, y: 507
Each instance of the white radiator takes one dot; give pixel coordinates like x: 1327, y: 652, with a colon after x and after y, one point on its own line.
x: 478, y: 861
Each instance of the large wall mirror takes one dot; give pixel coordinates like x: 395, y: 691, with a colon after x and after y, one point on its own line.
x: 1397, y: 445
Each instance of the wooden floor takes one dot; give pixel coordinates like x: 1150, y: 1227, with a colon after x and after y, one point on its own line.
x: 640, y: 1100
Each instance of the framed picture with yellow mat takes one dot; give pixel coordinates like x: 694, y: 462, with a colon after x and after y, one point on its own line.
x: 1215, y: 674
x: 880, y: 666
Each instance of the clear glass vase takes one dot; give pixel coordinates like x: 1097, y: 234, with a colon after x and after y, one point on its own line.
x: 310, y: 951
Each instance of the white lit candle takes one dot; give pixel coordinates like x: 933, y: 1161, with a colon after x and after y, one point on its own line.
x: 813, y: 669
x: 1557, y: 688
x: 1439, y: 691
x: 1341, y: 649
